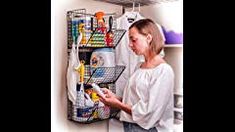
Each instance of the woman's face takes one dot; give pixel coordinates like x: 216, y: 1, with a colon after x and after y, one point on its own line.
x: 137, y: 42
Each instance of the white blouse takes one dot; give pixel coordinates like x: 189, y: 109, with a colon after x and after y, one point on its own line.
x: 149, y: 92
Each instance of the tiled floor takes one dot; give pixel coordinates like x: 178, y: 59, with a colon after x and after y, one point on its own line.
x: 115, y: 125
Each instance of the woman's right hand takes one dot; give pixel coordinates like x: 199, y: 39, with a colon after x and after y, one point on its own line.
x: 109, y: 98
x: 108, y: 93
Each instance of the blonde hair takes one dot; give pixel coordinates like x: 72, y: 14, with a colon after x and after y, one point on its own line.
x: 147, y: 26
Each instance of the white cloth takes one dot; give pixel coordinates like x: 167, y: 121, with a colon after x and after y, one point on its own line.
x: 149, y: 92
x: 72, y: 75
x: 123, y: 53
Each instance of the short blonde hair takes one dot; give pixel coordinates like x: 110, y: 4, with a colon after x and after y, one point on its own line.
x: 147, y: 26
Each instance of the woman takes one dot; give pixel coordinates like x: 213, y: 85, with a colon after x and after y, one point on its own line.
x: 147, y: 102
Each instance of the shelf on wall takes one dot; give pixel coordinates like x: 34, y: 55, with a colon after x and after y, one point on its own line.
x: 181, y: 94
x: 173, y: 45
x: 178, y: 109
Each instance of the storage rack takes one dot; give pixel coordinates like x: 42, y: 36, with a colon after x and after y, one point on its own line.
x: 104, y: 76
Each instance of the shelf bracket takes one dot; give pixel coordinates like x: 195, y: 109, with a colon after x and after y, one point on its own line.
x: 123, y: 9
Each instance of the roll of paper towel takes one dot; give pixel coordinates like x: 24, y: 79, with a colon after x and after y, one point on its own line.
x: 103, y: 57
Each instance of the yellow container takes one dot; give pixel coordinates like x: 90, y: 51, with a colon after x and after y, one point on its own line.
x: 95, y: 97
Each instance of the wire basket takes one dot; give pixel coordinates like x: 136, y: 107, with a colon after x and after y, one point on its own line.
x: 90, y: 114
x: 73, y: 19
x: 79, y: 21
x: 97, y: 38
x: 105, y: 74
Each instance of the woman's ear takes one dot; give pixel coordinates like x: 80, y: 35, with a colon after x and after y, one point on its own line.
x: 149, y: 38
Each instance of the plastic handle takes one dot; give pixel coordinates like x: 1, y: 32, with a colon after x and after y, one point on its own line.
x: 91, y: 23
x: 110, y: 23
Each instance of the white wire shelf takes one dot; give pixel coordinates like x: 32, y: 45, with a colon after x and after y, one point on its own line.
x: 173, y: 45
x: 178, y: 109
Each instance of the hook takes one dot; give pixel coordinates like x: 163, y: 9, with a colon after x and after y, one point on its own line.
x: 139, y: 7
x: 133, y: 6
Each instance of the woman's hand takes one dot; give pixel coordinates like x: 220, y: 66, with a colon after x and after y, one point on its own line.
x: 110, y: 98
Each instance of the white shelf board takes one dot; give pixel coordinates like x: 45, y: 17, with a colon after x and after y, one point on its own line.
x: 173, y: 45
x: 178, y: 109
x: 179, y: 93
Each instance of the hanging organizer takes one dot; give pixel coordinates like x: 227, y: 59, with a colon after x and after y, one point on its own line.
x: 93, y: 39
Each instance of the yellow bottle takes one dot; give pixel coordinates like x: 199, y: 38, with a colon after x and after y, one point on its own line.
x: 82, y: 31
x: 82, y: 71
x: 94, y: 97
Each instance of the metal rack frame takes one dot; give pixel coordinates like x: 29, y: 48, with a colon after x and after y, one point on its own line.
x: 73, y: 110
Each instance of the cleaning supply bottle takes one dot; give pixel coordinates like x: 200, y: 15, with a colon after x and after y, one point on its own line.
x: 81, y: 93
x: 82, y: 71
x: 97, y: 89
x: 101, y: 28
x: 82, y: 31
x: 80, y: 103
x: 100, y: 19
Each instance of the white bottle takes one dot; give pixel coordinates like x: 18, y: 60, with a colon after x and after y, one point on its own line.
x: 97, y: 89
x: 81, y: 97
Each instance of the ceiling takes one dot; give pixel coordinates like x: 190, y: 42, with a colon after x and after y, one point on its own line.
x: 129, y: 3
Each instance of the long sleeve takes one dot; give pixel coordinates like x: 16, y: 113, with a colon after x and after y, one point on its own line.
x: 149, y: 110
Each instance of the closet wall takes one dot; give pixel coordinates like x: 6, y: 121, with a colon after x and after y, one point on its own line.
x: 170, y: 15
x: 59, y: 63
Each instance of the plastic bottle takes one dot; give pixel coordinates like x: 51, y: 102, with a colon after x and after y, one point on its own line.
x: 97, y: 89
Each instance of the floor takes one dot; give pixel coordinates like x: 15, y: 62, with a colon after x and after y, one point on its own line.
x: 116, y: 126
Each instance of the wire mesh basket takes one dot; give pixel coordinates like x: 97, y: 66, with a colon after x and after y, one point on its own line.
x: 97, y: 38
x: 92, y: 114
x: 80, y: 22
x: 105, y: 74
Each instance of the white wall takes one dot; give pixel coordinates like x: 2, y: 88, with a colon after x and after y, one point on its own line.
x: 174, y: 56
x: 59, y: 122
x: 169, y: 15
